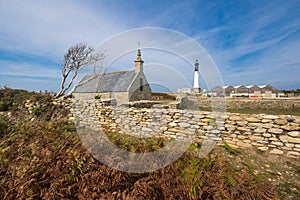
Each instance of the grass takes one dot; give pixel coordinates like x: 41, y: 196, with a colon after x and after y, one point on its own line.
x: 270, y: 112
x: 259, y: 111
x: 230, y: 149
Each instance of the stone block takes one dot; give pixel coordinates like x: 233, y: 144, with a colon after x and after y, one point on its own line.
x: 253, y: 119
x: 235, y: 118
x: 244, y: 129
x: 169, y: 133
x: 267, y: 135
x: 257, y: 138
x: 294, y: 133
x: 277, y: 143
x: 184, y: 125
x: 270, y: 117
x: 266, y: 120
x: 290, y: 128
x: 280, y: 121
x: 263, y: 148
x: 243, y: 145
x: 276, y: 151
x: 273, y: 139
x: 296, y: 149
x: 260, y: 130
x: 257, y: 144
x: 172, y: 124
x: 275, y: 130
x: 285, y: 138
x: 146, y: 129
x: 242, y: 137
x: 289, y: 145
x: 294, y: 153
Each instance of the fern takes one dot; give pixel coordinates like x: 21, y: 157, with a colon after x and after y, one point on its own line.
x: 230, y: 149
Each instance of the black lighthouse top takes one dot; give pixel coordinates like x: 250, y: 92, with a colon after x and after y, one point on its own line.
x: 196, y: 66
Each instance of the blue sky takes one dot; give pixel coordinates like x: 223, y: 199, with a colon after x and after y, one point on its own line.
x: 251, y: 42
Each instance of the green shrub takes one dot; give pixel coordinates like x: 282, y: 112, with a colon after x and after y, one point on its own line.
x: 230, y: 149
x: 98, y: 97
x: 37, y: 111
x: 4, y: 106
x: 3, y: 125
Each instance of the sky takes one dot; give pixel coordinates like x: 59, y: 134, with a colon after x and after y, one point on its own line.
x: 250, y: 42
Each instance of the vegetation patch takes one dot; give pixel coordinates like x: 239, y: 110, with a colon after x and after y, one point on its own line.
x: 45, y: 158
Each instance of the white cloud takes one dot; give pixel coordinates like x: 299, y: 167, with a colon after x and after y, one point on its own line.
x: 13, y: 68
x: 49, y: 28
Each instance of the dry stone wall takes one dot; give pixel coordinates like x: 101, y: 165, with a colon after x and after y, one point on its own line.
x: 271, y: 133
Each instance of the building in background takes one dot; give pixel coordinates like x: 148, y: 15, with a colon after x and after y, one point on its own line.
x: 251, y: 91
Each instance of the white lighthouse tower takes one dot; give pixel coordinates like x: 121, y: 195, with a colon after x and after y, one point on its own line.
x: 196, y: 78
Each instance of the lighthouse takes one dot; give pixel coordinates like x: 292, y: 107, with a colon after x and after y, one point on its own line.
x: 196, y: 78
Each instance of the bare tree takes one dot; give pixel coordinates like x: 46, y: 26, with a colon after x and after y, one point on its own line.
x: 76, y: 57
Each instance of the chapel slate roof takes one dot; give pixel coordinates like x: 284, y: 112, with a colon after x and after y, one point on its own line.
x: 106, y: 82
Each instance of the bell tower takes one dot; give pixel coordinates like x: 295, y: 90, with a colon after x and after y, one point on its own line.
x: 196, y: 78
x: 138, y: 62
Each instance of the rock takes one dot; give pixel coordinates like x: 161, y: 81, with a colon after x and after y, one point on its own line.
x: 273, y: 139
x: 289, y: 145
x: 294, y: 133
x: 266, y: 120
x: 146, y: 129
x: 242, y: 137
x: 230, y: 127
x: 294, y: 153
x: 285, y: 138
x: 243, y: 129
x: 169, y: 133
x: 164, y: 128
x: 260, y: 130
x: 208, y: 127
x: 297, y: 121
x: 241, y: 123
x: 276, y: 151
x: 235, y: 118
x: 253, y: 119
x: 243, y: 145
x: 277, y: 143
x: 267, y: 135
x: 247, y: 141
x: 215, y: 131
x: 184, y: 125
x: 257, y: 144
x: 280, y: 121
x: 267, y: 166
x: 267, y: 125
x: 185, y: 132
x: 254, y: 137
x: 119, y: 120
x: 270, y: 117
x: 255, y: 125
x: 263, y: 148
x: 275, y: 130
x: 290, y: 128
x: 172, y: 124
